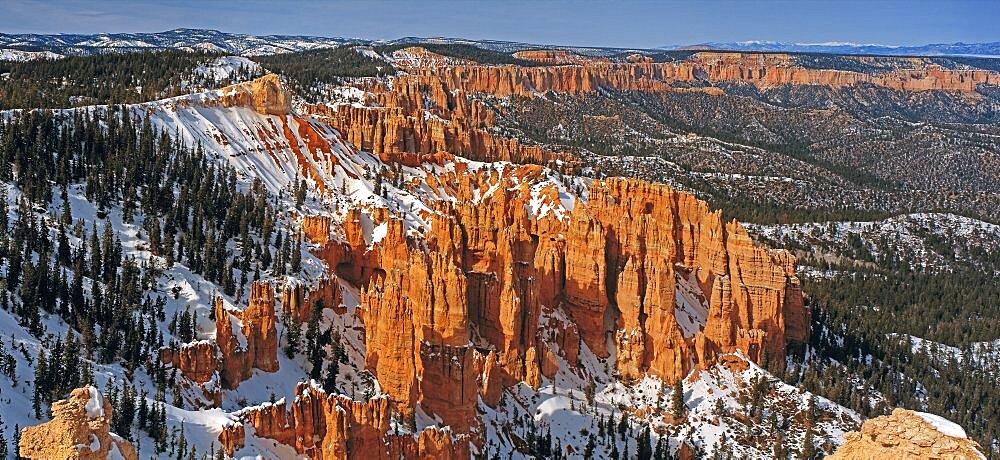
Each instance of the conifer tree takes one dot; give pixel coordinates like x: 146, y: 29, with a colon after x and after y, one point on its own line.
x: 677, y: 400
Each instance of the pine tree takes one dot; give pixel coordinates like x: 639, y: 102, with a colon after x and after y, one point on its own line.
x: 293, y: 334
x: 297, y: 255
x: 677, y: 400
x: 17, y: 440
x: 41, y: 383
x: 660, y: 453
x: 644, y: 448
x: 330, y: 380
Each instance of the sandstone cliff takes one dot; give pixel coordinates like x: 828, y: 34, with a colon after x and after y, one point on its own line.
x: 79, y: 429
x: 556, y: 57
x: 908, y: 435
x: 323, y: 426
x: 199, y: 363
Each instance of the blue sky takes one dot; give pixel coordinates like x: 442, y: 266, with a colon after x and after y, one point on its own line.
x: 624, y: 24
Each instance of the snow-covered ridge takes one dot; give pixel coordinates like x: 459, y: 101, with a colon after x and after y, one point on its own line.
x: 9, y: 54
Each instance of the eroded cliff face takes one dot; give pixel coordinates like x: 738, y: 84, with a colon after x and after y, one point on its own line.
x: 247, y: 339
x: 323, y: 426
x: 907, y: 435
x: 197, y: 361
x: 762, y: 70
x: 79, y: 429
x: 510, y: 275
x: 395, y: 128
x: 639, y: 268
x: 427, y: 115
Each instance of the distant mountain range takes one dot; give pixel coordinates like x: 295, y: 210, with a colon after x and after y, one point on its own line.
x: 991, y: 49
x: 231, y: 43
x: 255, y: 45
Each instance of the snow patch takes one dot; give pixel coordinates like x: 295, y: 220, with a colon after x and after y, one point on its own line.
x: 945, y: 426
x: 95, y: 405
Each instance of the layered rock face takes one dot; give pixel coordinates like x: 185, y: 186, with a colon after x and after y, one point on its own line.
x: 265, y: 95
x: 79, y: 429
x: 323, y: 426
x: 763, y: 70
x: 199, y: 363
x: 906, y: 435
x: 247, y: 339
x: 393, y: 125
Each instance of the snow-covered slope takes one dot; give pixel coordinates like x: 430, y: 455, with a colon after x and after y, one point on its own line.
x: 9, y: 54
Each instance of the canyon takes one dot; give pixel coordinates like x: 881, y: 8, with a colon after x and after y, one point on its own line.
x: 464, y: 308
x: 392, y: 124
x: 471, y: 274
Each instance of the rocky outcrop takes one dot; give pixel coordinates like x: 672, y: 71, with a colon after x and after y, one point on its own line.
x: 79, y: 429
x: 908, y: 435
x: 323, y: 426
x: 199, y: 363
x: 404, y: 137
x: 247, y: 339
x: 266, y: 95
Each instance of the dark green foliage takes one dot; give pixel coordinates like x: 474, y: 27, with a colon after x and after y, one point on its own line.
x: 305, y: 69
x: 677, y: 400
x: 99, y: 79
x: 190, y: 208
x: 862, y: 313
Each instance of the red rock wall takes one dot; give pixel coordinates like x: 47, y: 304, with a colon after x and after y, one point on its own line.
x: 197, y: 361
x: 397, y: 130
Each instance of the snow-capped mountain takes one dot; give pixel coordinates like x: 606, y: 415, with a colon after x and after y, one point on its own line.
x: 991, y: 49
x: 242, y: 44
x: 192, y: 39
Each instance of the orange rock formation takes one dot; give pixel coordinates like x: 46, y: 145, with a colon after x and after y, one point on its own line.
x: 397, y: 130
x: 325, y: 426
x: 79, y: 429
x: 904, y: 435
x: 555, y: 57
x: 247, y: 339
x: 611, y: 263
